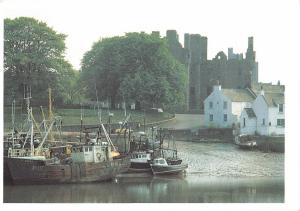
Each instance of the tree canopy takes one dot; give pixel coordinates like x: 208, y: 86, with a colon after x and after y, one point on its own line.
x: 33, y: 56
x: 138, y: 68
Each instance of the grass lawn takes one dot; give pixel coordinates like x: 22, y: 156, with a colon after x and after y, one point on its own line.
x: 90, y: 116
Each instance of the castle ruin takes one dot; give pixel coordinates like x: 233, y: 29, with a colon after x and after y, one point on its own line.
x: 232, y: 71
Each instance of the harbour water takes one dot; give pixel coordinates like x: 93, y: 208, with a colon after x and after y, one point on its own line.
x: 218, y: 172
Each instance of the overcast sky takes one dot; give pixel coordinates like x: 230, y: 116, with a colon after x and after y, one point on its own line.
x: 272, y: 23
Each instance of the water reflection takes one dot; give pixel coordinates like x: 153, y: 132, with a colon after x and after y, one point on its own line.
x: 192, y: 188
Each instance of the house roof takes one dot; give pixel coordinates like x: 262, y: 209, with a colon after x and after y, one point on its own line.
x: 267, y: 87
x: 273, y: 99
x: 238, y: 95
x: 250, y: 112
x: 273, y: 94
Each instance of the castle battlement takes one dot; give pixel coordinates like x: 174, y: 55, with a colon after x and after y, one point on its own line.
x: 232, y: 70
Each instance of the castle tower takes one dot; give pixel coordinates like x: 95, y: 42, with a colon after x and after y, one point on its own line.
x: 197, y: 46
x: 155, y: 33
x: 250, y: 54
x: 250, y: 59
x: 175, y: 46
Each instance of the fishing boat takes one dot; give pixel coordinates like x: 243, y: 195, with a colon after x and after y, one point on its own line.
x: 89, y: 162
x: 162, y: 166
x: 168, y: 162
x: 245, y: 141
x: 143, y: 150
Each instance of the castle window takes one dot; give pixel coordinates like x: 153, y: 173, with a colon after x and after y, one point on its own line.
x: 211, y: 104
x: 225, y: 105
x: 244, y: 122
x: 225, y: 117
x: 263, y: 121
x: 211, y: 117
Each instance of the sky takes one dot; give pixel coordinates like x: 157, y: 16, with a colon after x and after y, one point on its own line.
x: 226, y: 24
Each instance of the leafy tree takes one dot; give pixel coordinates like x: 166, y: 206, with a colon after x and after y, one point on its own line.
x: 33, y: 55
x: 69, y: 86
x: 137, y: 67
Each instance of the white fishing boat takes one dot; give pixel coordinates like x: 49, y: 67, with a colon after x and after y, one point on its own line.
x: 161, y: 166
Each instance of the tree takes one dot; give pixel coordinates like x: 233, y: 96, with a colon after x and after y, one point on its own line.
x: 33, y: 56
x: 137, y: 67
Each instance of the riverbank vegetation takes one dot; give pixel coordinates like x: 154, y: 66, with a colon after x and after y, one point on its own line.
x: 90, y: 116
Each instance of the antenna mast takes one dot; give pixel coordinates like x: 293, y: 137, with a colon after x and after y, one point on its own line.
x: 99, y: 109
x: 13, y: 122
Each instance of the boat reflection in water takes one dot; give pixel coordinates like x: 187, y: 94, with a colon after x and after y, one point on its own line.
x: 191, y: 188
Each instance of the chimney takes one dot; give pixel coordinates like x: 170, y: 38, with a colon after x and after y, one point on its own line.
x: 217, y: 86
x: 262, y: 92
x: 278, y: 83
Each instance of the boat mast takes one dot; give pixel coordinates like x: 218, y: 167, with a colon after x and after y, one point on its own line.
x: 31, y: 142
x: 27, y: 97
x: 81, y: 114
x: 13, y: 122
x: 124, y: 106
x: 50, y: 114
x: 98, y: 107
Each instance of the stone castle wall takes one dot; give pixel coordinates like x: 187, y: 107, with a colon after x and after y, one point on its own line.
x: 233, y: 71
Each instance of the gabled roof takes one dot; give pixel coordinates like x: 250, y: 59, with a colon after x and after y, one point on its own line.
x: 250, y: 112
x: 267, y: 87
x: 238, y: 95
x: 273, y: 94
x: 273, y: 99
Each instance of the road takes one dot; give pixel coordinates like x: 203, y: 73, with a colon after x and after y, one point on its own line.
x: 185, y: 121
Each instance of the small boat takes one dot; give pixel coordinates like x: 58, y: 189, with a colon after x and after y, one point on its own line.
x: 245, y: 141
x: 166, y: 164
x: 143, y: 150
x: 161, y: 166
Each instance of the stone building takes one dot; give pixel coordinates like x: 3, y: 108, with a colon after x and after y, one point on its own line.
x: 232, y: 71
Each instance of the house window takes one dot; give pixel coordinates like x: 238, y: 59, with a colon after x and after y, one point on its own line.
x: 211, y: 117
x: 225, y: 117
x: 280, y: 108
x: 244, y: 122
x: 280, y: 122
x: 263, y: 121
x: 225, y: 105
x: 211, y: 104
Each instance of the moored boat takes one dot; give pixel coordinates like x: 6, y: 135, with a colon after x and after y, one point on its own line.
x: 245, y: 141
x: 88, y: 163
x: 161, y: 166
x: 144, y: 149
x: 168, y: 162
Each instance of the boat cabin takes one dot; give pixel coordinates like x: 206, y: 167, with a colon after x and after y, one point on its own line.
x: 140, y: 157
x: 160, y: 162
x: 91, y: 153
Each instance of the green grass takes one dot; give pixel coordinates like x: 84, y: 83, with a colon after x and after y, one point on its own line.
x: 90, y: 116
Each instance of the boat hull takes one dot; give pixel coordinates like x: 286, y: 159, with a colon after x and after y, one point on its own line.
x: 140, y: 167
x: 170, y: 169
x: 248, y: 144
x: 26, y: 171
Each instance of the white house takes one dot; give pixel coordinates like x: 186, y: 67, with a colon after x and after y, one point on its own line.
x: 269, y: 109
x: 223, y: 107
x: 248, y: 122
